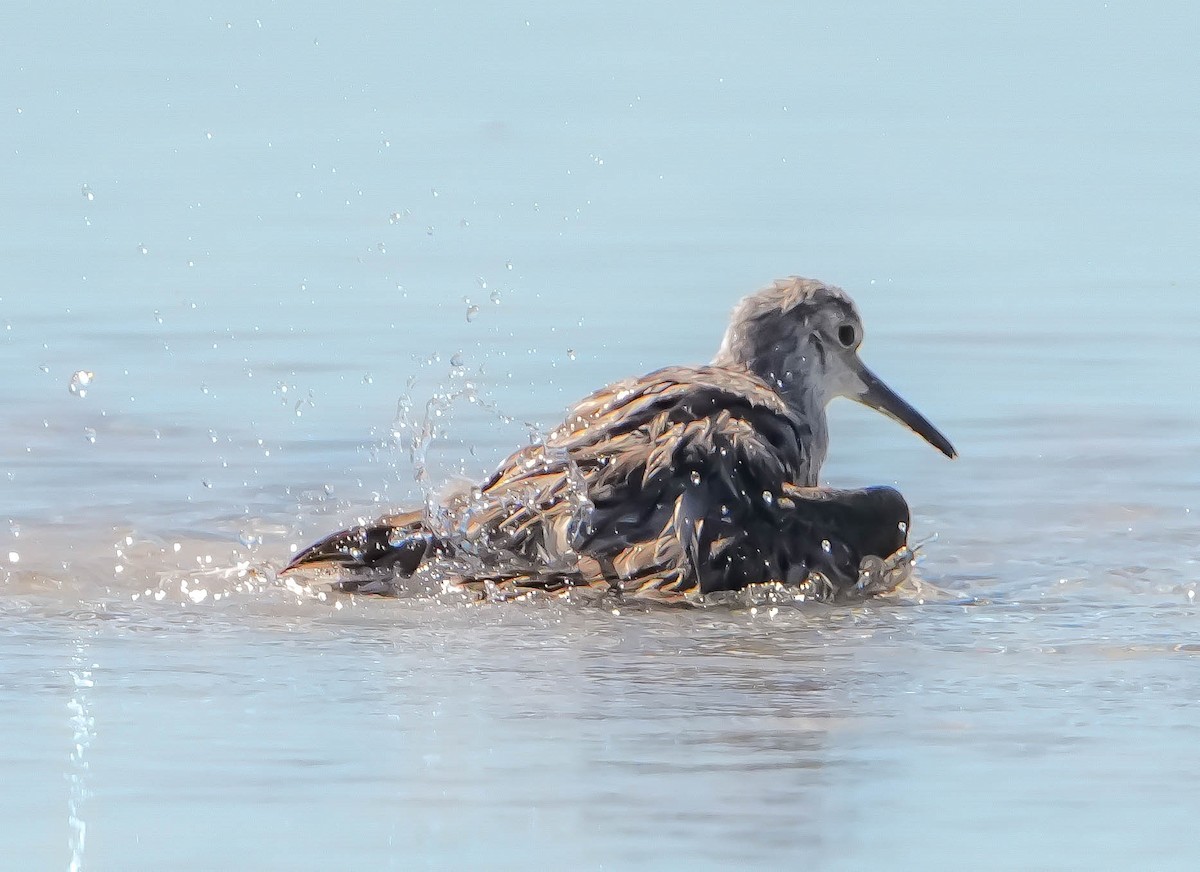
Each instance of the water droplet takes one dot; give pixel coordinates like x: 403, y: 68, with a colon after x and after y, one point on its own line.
x: 249, y: 540
x: 695, y: 477
x: 206, y: 482
x: 903, y: 526
x: 367, y: 379
x: 494, y: 296
x: 456, y: 359
x: 508, y: 264
x: 44, y: 367
x: 158, y: 316
x: 826, y: 546
x: 570, y: 353
x: 433, y: 191
x: 14, y: 557
x: 89, y: 434
x: 80, y: 380
x: 768, y: 497
x: 394, y: 218
x: 87, y: 193
x: 472, y: 311
x: 382, y: 248
x: 142, y: 249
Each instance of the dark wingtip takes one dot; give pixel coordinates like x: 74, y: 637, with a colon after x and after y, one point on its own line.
x: 871, y: 521
x: 369, y: 549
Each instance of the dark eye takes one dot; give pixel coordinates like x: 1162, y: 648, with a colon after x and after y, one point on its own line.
x: 847, y: 335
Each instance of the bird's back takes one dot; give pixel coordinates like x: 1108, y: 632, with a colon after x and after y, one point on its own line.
x: 643, y: 478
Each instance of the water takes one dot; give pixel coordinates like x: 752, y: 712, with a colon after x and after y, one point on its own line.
x: 243, y: 244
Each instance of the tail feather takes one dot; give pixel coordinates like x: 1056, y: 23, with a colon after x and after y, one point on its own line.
x: 364, y: 555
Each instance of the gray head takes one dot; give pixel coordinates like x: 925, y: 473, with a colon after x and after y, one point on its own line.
x: 801, y: 337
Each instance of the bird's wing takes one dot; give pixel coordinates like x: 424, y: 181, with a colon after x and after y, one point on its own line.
x: 662, y: 485
x: 667, y: 480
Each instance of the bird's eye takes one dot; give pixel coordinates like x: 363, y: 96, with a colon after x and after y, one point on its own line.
x: 847, y: 335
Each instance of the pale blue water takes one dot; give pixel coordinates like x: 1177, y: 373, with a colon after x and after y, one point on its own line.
x: 292, y: 209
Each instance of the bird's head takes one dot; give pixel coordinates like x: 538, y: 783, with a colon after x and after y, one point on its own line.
x: 801, y: 337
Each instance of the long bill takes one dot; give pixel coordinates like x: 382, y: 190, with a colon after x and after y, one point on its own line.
x: 877, y: 395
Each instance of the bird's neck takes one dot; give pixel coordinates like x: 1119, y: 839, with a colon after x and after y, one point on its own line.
x: 809, y: 407
x: 791, y: 377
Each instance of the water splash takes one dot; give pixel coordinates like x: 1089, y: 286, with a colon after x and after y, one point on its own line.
x: 80, y: 381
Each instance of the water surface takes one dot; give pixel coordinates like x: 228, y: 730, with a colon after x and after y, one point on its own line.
x: 276, y: 235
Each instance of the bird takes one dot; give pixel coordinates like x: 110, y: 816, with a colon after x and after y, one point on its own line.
x: 676, y: 486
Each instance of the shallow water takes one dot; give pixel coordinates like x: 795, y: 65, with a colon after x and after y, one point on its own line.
x: 265, y: 230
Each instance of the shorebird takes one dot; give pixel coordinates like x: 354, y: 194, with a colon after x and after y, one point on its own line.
x: 675, y: 485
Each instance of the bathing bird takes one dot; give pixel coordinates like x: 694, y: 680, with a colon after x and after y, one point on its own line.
x: 682, y: 483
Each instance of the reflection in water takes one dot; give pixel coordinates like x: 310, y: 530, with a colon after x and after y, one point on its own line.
x: 82, y: 727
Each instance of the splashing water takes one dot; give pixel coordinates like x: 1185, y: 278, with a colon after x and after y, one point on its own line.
x: 80, y: 381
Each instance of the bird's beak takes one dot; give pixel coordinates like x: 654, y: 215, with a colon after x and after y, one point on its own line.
x: 872, y: 392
